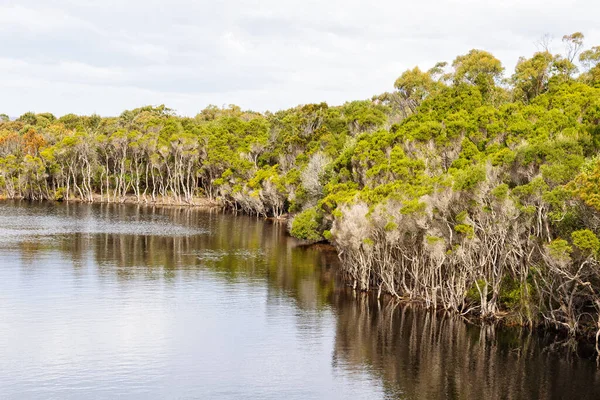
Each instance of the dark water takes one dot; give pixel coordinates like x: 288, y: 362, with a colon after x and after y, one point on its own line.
x: 106, y: 301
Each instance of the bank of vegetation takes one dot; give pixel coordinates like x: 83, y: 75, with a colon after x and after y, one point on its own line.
x: 466, y: 188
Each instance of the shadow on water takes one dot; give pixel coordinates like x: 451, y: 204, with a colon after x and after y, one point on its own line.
x: 413, y: 353
x: 426, y: 355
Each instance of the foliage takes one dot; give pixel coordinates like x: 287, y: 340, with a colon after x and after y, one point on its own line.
x: 459, y: 188
x: 306, y: 225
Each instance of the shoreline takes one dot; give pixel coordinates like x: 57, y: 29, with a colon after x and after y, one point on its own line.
x: 200, y: 202
x: 505, y: 319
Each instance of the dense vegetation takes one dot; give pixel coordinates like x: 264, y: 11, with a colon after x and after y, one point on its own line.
x: 463, y: 189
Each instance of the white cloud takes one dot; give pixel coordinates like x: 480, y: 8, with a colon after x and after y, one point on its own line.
x: 148, y: 51
x: 16, y: 18
x: 104, y: 56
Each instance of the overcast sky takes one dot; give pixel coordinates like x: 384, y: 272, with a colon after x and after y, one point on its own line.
x: 88, y: 56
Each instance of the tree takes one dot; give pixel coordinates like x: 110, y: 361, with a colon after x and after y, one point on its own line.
x: 573, y: 44
x: 28, y: 118
x: 590, y: 59
x: 450, y: 190
x: 478, y: 67
x: 532, y: 75
x: 414, y: 86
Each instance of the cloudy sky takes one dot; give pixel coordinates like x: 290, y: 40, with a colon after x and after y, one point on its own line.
x: 87, y: 56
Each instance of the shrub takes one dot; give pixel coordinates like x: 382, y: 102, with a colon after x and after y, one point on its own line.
x: 307, y: 224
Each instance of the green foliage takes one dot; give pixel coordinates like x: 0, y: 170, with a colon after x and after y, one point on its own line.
x: 59, y: 194
x: 415, y: 85
x: 532, y: 75
x: 466, y: 230
x: 306, y: 225
x: 472, y: 294
x: 478, y: 67
x: 434, y: 239
x: 586, y: 241
x: 452, y: 159
x: 501, y: 191
x: 391, y: 226
x: 586, y: 185
x: 468, y: 179
x: 560, y: 250
x: 514, y: 295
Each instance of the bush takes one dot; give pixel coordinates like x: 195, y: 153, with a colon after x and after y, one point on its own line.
x: 307, y: 224
x: 60, y: 193
x: 586, y: 241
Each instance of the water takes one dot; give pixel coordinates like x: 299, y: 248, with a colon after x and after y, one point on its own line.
x: 122, y: 301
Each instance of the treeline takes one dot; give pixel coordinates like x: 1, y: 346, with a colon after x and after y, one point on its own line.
x: 461, y: 188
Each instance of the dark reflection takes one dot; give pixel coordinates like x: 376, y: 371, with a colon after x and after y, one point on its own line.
x: 413, y: 354
x: 421, y: 355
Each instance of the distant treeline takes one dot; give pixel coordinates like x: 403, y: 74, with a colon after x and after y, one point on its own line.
x: 461, y: 188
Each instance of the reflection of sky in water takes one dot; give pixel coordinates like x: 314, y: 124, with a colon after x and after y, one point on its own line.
x: 77, y: 322
x: 21, y: 224
x: 72, y: 335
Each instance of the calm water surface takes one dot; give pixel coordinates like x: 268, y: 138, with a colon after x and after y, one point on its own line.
x: 107, y: 301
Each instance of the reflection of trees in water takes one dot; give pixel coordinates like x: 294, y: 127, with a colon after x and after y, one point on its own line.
x: 416, y: 354
x: 233, y: 247
x: 420, y: 355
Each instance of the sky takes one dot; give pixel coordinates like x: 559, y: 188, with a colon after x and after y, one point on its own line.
x: 89, y: 56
